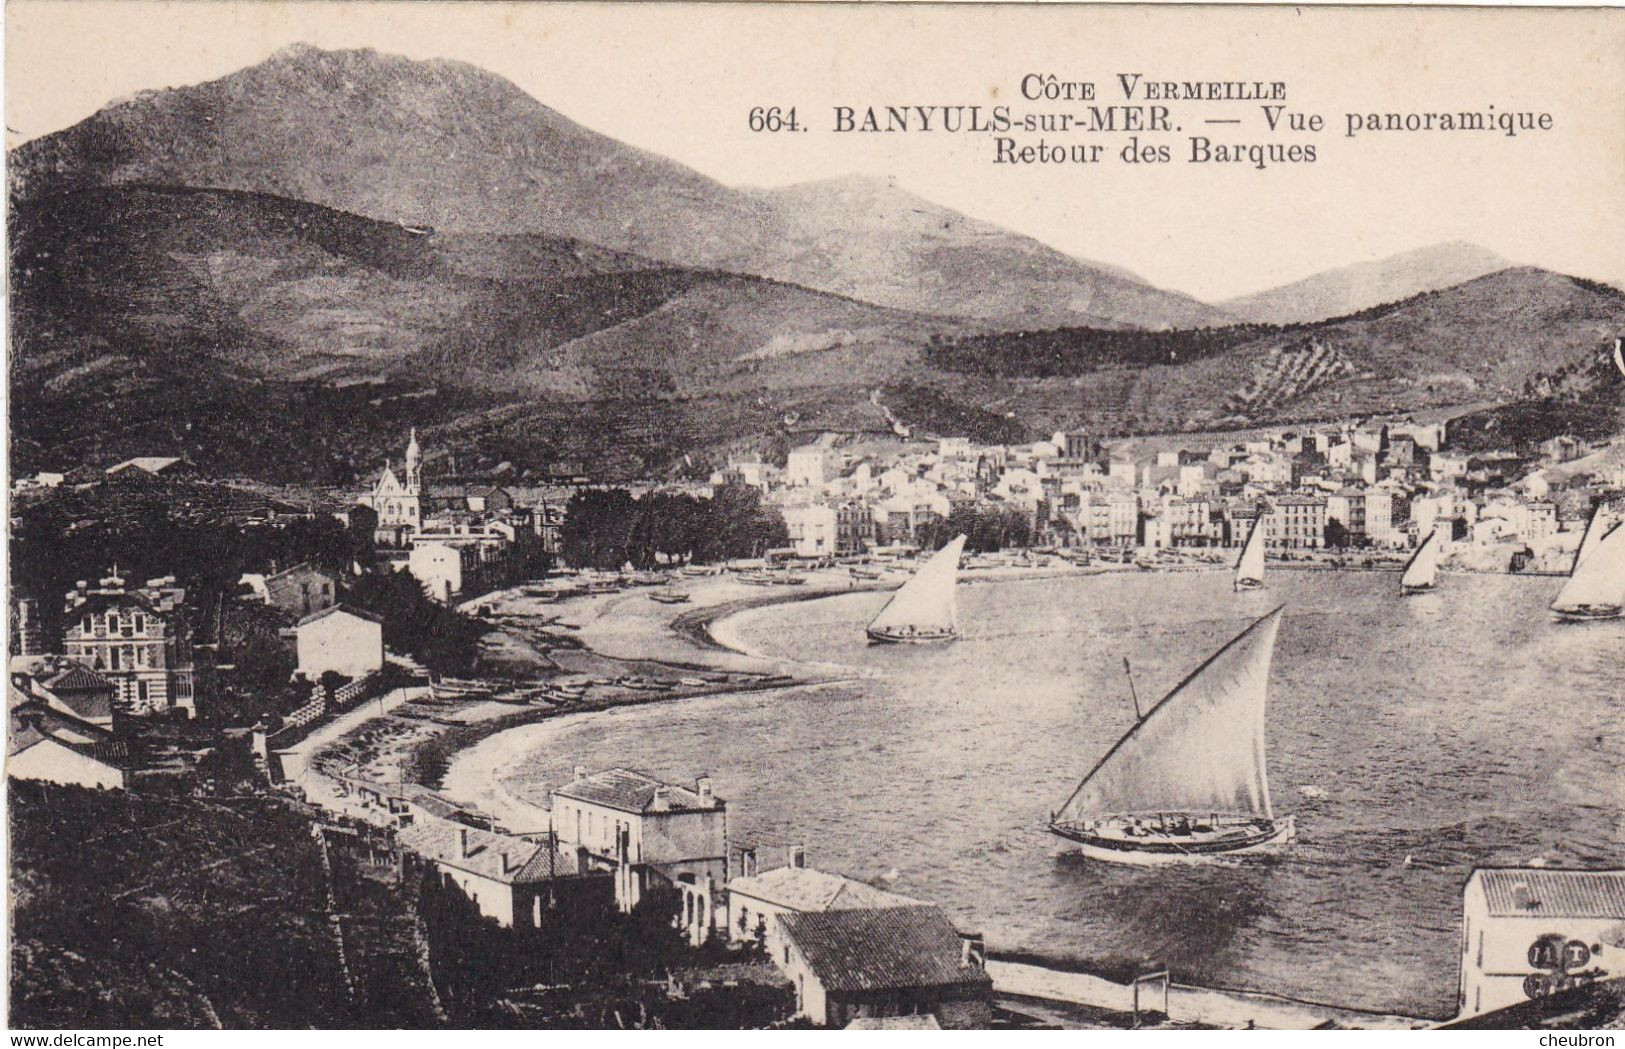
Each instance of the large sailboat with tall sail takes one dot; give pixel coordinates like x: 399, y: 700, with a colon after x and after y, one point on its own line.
x: 923, y: 609
x: 1596, y: 584
x: 1189, y: 780
x: 1422, y: 570
x: 1250, y: 565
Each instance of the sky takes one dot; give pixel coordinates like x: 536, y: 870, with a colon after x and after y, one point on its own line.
x: 681, y: 79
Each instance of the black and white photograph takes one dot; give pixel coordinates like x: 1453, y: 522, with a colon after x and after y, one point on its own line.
x: 805, y: 516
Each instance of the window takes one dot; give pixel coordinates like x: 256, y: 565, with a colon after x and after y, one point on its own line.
x: 140, y: 623
x: 88, y: 627
x: 141, y: 690
x: 112, y: 656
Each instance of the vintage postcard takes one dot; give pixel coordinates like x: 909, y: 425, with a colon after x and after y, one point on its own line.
x: 600, y: 516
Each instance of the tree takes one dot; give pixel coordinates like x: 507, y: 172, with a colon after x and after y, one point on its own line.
x: 1336, y: 534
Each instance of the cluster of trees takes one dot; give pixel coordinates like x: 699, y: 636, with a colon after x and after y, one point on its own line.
x: 986, y: 529
x: 608, y: 528
x: 441, y: 638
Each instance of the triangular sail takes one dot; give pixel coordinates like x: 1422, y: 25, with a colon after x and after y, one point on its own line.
x: 1598, y: 526
x: 1250, y: 565
x: 1200, y: 750
x: 1598, y: 580
x: 1423, y: 567
x: 925, y: 604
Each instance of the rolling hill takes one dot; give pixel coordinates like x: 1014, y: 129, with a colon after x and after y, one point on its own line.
x: 448, y: 145
x: 143, y: 316
x: 1350, y: 289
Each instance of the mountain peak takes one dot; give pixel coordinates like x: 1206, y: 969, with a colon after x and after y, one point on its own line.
x: 445, y: 144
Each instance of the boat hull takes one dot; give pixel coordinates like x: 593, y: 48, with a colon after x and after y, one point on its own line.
x: 1408, y: 590
x: 882, y: 637
x: 1585, y: 613
x: 1240, y: 836
x: 1249, y: 584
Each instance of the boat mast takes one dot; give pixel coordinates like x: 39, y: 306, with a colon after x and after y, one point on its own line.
x: 1132, y: 694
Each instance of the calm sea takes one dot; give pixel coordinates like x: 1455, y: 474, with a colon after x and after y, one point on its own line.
x: 1413, y: 738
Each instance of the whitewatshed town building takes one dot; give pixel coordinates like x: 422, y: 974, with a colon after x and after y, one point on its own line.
x: 340, y: 639
x: 513, y: 880
x: 1530, y: 932
x: 650, y: 833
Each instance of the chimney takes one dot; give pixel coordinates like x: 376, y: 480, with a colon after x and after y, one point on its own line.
x: 703, y: 786
x: 505, y: 867
x: 972, y: 951
x: 462, y: 842
x: 798, y: 855
x: 581, y: 773
x: 662, y: 799
x: 1523, y: 898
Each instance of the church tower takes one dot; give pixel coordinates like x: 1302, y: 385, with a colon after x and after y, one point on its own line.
x: 414, y: 469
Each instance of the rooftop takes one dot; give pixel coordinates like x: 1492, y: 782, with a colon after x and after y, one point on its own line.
x: 499, y: 857
x: 806, y: 889
x: 354, y: 613
x: 632, y: 791
x: 884, y: 949
x: 1535, y: 891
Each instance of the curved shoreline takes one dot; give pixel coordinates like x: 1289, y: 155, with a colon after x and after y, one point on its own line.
x: 481, y: 753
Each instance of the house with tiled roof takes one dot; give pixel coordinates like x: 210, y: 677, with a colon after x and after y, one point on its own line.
x: 884, y: 962
x: 649, y: 831
x: 1534, y: 932
x: 66, y: 685
x: 48, y: 745
x: 512, y: 879
x: 755, y: 900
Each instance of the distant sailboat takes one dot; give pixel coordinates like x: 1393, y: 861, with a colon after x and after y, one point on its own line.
x: 1596, y: 586
x: 1422, y: 570
x: 1250, y: 565
x: 1189, y: 779
x: 923, y: 608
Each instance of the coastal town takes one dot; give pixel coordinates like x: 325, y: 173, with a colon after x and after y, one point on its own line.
x: 596, y: 518
x: 329, y: 685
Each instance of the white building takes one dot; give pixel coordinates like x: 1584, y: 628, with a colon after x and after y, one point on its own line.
x: 47, y: 745
x: 510, y: 879
x: 1529, y: 932
x: 345, y: 640
x: 646, y: 830
x: 807, y: 466
x: 813, y: 528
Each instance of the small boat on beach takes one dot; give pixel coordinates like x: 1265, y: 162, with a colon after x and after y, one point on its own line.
x: 1250, y: 565
x: 923, y: 609
x: 1189, y: 780
x: 1596, y: 584
x: 1422, y: 570
x: 667, y: 597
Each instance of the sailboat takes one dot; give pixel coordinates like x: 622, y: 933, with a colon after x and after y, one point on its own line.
x: 1601, y: 523
x: 1422, y: 570
x: 1250, y: 565
x: 1189, y: 779
x: 1596, y: 586
x: 923, y: 608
